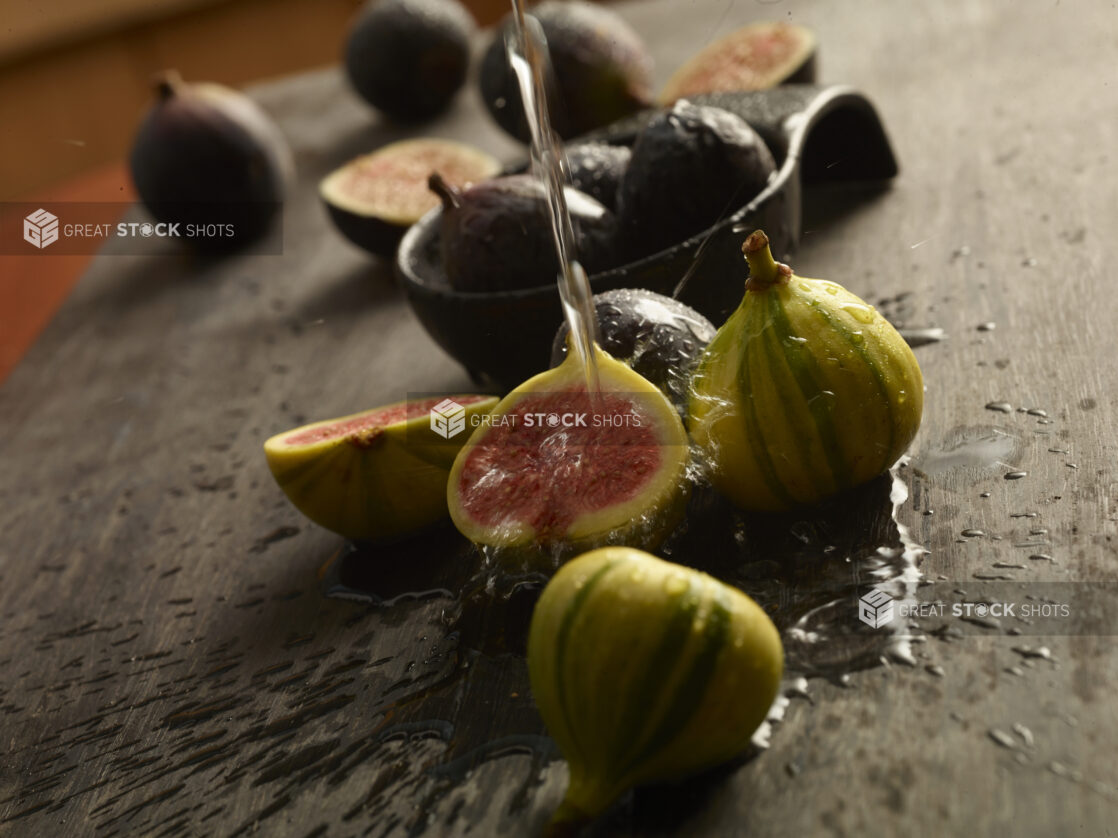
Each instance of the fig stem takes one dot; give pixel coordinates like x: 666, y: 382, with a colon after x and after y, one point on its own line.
x: 168, y: 84
x: 447, y: 193
x: 764, y: 271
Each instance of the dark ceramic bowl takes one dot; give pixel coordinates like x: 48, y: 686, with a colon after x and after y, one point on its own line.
x: 817, y: 134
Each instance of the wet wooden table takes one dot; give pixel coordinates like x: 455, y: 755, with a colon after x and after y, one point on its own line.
x: 171, y: 665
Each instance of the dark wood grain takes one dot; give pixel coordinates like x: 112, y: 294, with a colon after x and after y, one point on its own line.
x: 169, y: 664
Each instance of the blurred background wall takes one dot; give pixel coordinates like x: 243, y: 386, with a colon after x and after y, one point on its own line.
x: 75, y: 79
x: 75, y: 75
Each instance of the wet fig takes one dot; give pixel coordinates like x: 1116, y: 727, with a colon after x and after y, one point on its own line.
x: 376, y: 197
x: 209, y: 159
x: 804, y: 392
x: 496, y: 236
x: 691, y: 165
x: 755, y: 57
x: 601, y: 70
x: 376, y: 475
x: 645, y: 672
x: 408, y: 58
x: 659, y: 337
x: 597, y: 169
x: 555, y: 470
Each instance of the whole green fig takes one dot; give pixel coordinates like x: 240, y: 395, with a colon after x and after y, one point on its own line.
x: 646, y: 671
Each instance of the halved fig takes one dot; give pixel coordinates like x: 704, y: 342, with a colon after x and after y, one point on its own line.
x: 556, y: 469
x: 374, y: 198
x: 379, y: 474
x: 755, y: 57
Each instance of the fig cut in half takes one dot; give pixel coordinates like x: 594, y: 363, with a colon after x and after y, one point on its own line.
x: 376, y: 475
x: 755, y: 57
x: 374, y: 198
x: 556, y: 469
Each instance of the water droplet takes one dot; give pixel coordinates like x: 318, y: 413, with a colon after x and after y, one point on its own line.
x: 1000, y: 407
x: 984, y: 495
x: 1029, y: 652
x: 1003, y: 738
x: 988, y: 326
x: 972, y: 533
x: 857, y: 339
x: 1015, y: 475
x: 1025, y: 734
x: 1028, y: 262
x: 935, y: 670
x: 1036, y: 411
x: 861, y: 313
x: 1042, y: 557
x: 920, y: 337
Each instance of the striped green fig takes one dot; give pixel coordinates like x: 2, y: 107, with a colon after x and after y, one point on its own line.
x: 646, y: 671
x: 804, y: 392
x: 377, y: 475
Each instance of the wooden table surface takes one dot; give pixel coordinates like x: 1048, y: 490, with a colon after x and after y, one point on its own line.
x: 171, y: 665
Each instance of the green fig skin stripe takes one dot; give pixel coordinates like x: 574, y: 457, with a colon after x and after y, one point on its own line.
x: 564, y: 634
x: 664, y: 659
x: 762, y: 456
x: 690, y: 694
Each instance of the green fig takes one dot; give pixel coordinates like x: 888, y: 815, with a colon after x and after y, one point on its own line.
x: 804, y: 392
x: 376, y: 475
x: 646, y: 671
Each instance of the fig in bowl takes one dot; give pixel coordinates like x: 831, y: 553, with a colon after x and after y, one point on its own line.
x: 813, y: 134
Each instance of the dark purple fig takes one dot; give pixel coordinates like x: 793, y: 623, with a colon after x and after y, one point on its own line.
x: 408, y: 58
x: 496, y: 236
x: 601, y: 70
x: 755, y: 57
x: 691, y: 166
x: 209, y: 159
x: 659, y: 337
x: 597, y: 169
x: 375, y: 198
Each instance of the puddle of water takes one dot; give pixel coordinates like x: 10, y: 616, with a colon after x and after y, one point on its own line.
x: 975, y: 448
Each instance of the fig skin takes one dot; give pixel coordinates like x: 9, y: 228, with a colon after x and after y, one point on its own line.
x: 691, y: 165
x: 375, y: 483
x: 602, y: 70
x: 496, y: 235
x: 205, y: 154
x: 373, y: 199
x: 597, y: 170
x: 806, y: 391
x: 656, y: 336
x: 409, y: 58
